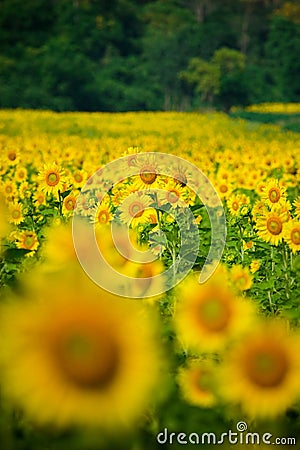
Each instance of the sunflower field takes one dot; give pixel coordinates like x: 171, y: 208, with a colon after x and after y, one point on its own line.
x: 187, y: 333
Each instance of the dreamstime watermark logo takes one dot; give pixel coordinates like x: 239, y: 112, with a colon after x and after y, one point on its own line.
x: 238, y: 436
x: 147, y: 168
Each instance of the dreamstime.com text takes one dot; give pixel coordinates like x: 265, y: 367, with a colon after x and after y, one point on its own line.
x: 239, y: 436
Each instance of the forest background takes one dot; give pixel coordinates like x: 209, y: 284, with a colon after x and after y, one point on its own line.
x: 122, y: 55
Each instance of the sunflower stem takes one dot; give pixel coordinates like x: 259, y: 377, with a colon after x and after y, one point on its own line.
x: 285, y: 267
x: 60, y: 200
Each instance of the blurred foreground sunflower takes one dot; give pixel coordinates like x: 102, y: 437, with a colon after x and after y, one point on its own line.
x: 77, y: 356
x: 262, y: 371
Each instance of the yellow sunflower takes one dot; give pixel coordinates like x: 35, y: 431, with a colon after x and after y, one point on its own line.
x: 135, y: 209
x: 196, y: 383
x: 21, y: 174
x: 15, y: 213
x: 273, y: 192
x: 27, y: 240
x: 51, y: 179
x: 240, y: 278
x: 209, y: 315
x: 270, y: 227
x: 173, y: 194
x: 85, y: 357
x: 102, y: 213
x: 291, y: 234
x: 262, y: 371
x: 39, y: 198
x: 148, y: 176
x: 69, y: 204
x: 9, y: 190
x: 255, y: 265
x: 12, y: 157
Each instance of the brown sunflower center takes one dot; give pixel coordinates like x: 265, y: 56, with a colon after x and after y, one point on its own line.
x: 172, y: 196
x: 274, y: 195
x: 235, y: 206
x: 214, y: 314
x: 274, y: 225
x: 52, y: 178
x: 136, y: 209
x: 267, y: 366
x: 29, y: 241
x: 12, y: 156
x: 223, y: 188
x: 148, y: 175
x: 295, y: 236
x: 88, y: 359
x: 70, y: 204
x: 78, y: 178
x: 16, y: 214
x: 103, y: 217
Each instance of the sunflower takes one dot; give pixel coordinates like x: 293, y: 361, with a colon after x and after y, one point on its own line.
x: 273, y: 192
x: 270, y: 227
x: 90, y: 357
x: 173, y: 194
x: 135, y: 209
x: 262, y: 371
x: 78, y: 178
x: 12, y: 157
x: 21, y: 174
x: 291, y: 234
x: 195, y: 382
x: 15, y: 213
x: 9, y: 190
x: 209, y: 315
x: 148, y: 176
x: 27, y: 240
x: 255, y: 265
x: 52, y: 179
x: 235, y: 201
x: 39, y: 198
x: 69, y: 204
x: 240, y: 278
x: 102, y: 213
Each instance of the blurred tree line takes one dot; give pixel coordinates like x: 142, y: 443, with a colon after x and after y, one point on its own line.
x: 118, y: 55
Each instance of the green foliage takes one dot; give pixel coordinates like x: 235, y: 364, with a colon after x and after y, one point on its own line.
x: 136, y: 54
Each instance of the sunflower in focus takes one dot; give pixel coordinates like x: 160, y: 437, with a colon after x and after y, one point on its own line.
x: 52, y: 179
x: 270, y: 227
x: 273, y: 192
x: 291, y: 234
x: 102, y: 213
x: 89, y: 357
x: 135, y: 209
x: 262, y: 371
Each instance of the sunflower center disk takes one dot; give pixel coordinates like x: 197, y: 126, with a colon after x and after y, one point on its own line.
x: 148, y: 175
x: 295, y: 236
x: 52, y: 179
x: 28, y: 241
x: 267, y: 367
x: 274, y: 195
x: 136, y: 209
x: 214, y: 315
x: 274, y: 225
x: 88, y: 360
